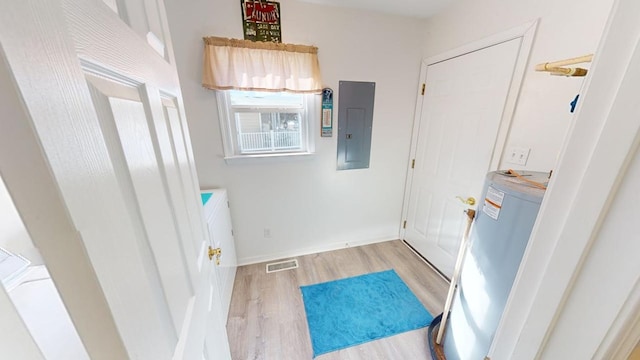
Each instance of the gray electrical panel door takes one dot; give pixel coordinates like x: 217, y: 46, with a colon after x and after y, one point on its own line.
x: 355, y: 119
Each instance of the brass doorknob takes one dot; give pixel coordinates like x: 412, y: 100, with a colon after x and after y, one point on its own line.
x: 468, y: 201
x: 217, y: 252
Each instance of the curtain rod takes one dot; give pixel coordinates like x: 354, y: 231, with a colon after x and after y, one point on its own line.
x: 557, y: 67
x: 555, y: 64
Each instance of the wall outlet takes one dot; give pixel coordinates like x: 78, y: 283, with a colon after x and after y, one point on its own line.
x: 267, y: 233
x: 518, y: 155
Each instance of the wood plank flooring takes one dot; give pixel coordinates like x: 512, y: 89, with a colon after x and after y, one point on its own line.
x: 267, y: 319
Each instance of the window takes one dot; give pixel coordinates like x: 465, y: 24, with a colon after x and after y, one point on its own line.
x: 271, y: 111
x: 266, y: 123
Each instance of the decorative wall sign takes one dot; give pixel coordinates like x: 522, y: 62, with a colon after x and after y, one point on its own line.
x: 327, y: 112
x: 261, y: 20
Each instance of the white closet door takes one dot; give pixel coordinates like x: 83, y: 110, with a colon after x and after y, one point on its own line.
x: 461, y: 113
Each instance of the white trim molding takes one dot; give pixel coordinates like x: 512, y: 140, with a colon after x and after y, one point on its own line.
x: 592, y: 164
x: 624, y: 333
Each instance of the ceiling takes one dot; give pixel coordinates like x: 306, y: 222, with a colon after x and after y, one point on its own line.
x: 413, y: 8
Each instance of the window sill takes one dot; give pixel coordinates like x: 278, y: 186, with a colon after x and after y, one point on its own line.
x: 261, y: 158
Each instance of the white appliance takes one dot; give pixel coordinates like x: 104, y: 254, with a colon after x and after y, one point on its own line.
x: 496, y: 244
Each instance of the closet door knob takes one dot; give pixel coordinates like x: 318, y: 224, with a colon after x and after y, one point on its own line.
x: 468, y: 201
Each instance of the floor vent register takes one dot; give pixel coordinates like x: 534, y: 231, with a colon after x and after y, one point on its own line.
x: 282, y: 265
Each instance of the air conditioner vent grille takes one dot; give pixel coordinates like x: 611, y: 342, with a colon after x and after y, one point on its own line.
x: 282, y: 265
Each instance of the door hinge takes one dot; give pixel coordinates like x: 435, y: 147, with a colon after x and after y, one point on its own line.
x: 404, y: 225
x: 423, y: 88
x: 413, y: 163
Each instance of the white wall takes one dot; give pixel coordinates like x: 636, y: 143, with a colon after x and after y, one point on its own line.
x: 13, y: 234
x: 308, y: 205
x: 567, y: 28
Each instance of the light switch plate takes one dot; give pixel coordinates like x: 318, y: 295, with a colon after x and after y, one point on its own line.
x: 518, y: 155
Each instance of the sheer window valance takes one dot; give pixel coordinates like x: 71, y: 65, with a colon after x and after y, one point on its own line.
x: 260, y: 66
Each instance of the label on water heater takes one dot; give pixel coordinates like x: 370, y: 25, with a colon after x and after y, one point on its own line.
x: 493, y: 203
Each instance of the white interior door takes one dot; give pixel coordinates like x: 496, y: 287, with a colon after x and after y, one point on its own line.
x: 462, y: 110
x: 105, y: 107
x: 221, y: 234
x: 121, y: 112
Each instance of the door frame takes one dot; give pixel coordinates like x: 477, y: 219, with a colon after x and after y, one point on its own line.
x: 624, y: 333
x: 527, y: 33
x: 594, y: 159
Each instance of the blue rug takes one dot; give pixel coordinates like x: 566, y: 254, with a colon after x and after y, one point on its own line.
x: 352, y: 311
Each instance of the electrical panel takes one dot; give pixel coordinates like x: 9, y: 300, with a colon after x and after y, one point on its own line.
x: 355, y: 121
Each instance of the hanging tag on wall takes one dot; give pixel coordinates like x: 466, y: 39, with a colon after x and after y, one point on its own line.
x: 327, y: 112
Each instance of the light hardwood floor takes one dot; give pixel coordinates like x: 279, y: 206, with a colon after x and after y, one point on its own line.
x: 267, y: 319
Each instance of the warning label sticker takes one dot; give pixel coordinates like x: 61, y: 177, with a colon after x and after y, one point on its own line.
x: 493, y: 203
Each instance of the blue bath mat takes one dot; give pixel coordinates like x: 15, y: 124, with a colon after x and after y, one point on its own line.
x: 352, y: 311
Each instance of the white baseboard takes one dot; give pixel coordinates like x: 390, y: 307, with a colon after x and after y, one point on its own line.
x: 310, y: 250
